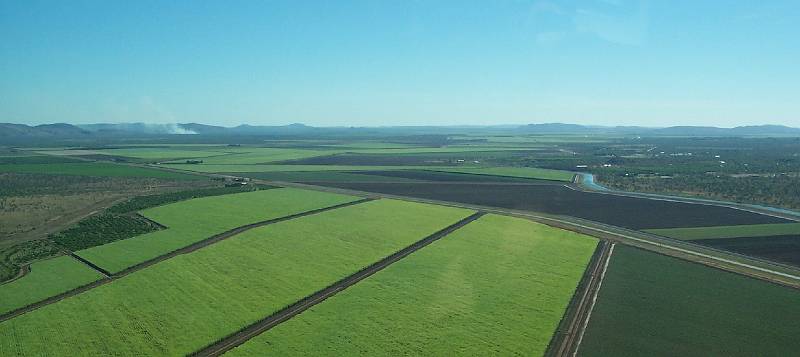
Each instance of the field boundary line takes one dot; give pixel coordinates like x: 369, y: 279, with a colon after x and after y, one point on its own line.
x: 593, y: 302
x: 564, y: 332
x: 94, y: 266
x: 187, y: 249
x: 55, y: 298
x: 232, y: 341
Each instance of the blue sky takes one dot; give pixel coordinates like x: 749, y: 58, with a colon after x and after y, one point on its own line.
x: 603, y: 62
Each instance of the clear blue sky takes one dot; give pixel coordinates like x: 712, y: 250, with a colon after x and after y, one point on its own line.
x: 604, y: 62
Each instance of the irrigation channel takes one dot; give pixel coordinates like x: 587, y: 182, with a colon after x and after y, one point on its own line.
x: 108, y: 277
x: 236, y: 339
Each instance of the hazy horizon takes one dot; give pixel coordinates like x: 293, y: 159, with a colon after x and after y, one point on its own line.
x: 361, y: 63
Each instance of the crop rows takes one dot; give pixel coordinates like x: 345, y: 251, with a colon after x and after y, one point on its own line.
x: 184, y: 303
x: 628, y: 212
x: 497, y: 286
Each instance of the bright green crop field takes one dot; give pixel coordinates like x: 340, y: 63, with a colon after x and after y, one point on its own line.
x: 47, y: 278
x: 250, y: 155
x: 654, y: 305
x: 185, y: 303
x: 497, y: 286
x: 162, y: 153
x: 752, y: 230
x: 97, y: 169
x: 526, y: 172
x: 329, y: 176
x: 296, y: 168
x: 200, y: 218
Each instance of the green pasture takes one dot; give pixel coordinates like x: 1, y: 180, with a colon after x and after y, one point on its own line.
x: 279, y: 168
x: 157, y: 153
x: 194, y: 220
x: 96, y: 169
x: 497, y: 286
x: 180, y: 305
x: 47, y: 278
x: 329, y: 176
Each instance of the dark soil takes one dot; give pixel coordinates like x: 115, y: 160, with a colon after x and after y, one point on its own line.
x: 424, y: 175
x: 784, y: 249
x: 628, y: 212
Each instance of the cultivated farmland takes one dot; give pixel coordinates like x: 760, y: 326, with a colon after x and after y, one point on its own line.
x: 197, y: 219
x: 96, y: 169
x: 497, y: 286
x: 525, y: 172
x: 782, y: 248
x: 653, y: 305
x: 185, y: 303
x: 629, y: 212
x: 45, y: 279
x: 753, y: 230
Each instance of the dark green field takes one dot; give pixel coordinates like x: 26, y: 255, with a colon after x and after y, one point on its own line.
x: 653, y: 305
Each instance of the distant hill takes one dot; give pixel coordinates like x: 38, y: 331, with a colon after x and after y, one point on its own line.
x: 59, y: 130
x: 20, y: 133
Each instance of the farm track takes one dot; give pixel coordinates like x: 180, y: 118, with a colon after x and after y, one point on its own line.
x: 744, y: 265
x: 572, y: 328
x: 23, y: 270
x: 236, y: 339
x: 109, y: 277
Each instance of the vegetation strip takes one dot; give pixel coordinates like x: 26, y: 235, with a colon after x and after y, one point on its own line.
x: 188, y: 249
x: 257, y: 328
x: 567, y: 338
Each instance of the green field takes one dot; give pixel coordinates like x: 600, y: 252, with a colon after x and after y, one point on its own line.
x: 47, y: 278
x: 447, y: 149
x: 163, y: 153
x: 251, y: 155
x: 654, y: 305
x: 185, y: 303
x: 97, y: 169
x: 330, y: 176
x: 498, y: 286
x: 525, y: 172
x: 200, y: 218
x: 296, y: 168
x: 752, y: 230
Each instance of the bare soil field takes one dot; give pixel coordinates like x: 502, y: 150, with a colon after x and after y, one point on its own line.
x: 439, y: 176
x: 627, y: 212
x: 783, y: 248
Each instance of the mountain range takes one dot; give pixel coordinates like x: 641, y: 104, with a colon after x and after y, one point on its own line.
x: 16, y: 132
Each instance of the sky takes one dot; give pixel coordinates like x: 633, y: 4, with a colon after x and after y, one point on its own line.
x: 380, y: 62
